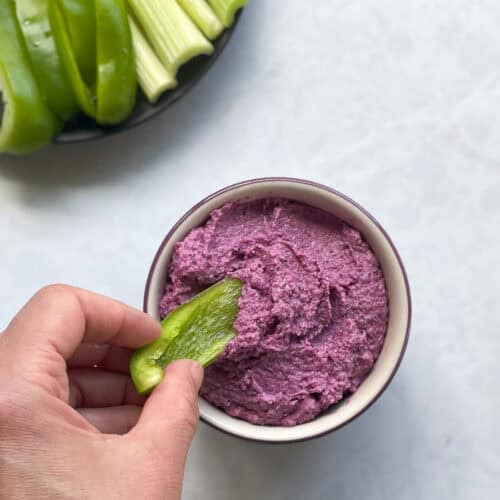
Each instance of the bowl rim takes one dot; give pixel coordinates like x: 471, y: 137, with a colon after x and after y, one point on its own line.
x: 330, y: 190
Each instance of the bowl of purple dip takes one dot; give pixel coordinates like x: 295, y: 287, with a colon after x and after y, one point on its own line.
x: 324, y: 315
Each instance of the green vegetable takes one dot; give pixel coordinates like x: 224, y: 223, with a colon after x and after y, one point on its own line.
x: 27, y: 123
x: 84, y: 95
x: 62, y: 55
x: 152, y: 76
x: 79, y: 16
x: 204, y: 17
x: 116, y: 81
x: 173, y: 35
x: 226, y: 9
x: 47, y: 67
x: 199, y: 329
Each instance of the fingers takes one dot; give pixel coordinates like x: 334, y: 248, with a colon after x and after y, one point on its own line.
x: 95, y: 388
x: 170, y: 416
x: 113, y: 420
x: 105, y: 356
x: 60, y: 318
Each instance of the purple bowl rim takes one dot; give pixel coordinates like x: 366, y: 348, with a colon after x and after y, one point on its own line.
x: 304, y: 182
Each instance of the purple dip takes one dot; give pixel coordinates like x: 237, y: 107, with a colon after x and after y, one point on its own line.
x: 312, y: 315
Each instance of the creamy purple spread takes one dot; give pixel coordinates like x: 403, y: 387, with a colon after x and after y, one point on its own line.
x: 312, y: 315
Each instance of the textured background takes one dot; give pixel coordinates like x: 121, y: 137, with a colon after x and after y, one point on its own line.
x: 395, y: 103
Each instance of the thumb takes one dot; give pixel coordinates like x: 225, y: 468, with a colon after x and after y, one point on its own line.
x: 170, y: 416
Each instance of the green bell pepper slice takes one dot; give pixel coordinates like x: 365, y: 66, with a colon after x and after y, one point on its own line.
x: 47, y: 67
x: 84, y: 94
x: 26, y: 122
x: 116, y: 79
x: 81, y: 25
x: 199, y: 330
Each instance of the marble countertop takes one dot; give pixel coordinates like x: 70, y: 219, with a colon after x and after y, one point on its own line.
x: 397, y: 104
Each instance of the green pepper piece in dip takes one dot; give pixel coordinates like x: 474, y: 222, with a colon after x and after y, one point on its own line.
x: 199, y: 330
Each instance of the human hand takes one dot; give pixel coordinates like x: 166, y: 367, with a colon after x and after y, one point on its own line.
x: 71, y: 423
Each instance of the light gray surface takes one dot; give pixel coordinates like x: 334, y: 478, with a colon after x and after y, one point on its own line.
x: 395, y: 103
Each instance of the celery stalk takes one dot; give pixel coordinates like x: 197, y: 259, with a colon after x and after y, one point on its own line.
x: 153, y: 78
x: 175, y: 38
x: 226, y: 9
x: 204, y: 17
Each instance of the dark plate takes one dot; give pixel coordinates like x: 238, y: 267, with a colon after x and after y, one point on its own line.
x: 85, y: 129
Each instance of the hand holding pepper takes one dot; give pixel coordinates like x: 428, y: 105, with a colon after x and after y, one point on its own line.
x: 71, y: 423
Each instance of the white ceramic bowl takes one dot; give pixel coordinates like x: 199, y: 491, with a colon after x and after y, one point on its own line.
x: 396, y: 281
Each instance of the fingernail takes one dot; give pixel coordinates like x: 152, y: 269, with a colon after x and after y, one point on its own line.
x: 197, y: 374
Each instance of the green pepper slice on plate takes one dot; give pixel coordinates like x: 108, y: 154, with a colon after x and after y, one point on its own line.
x: 116, y: 79
x: 80, y: 23
x: 26, y: 122
x: 84, y: 94
x: 47, y: 67
x: 199, y: 330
